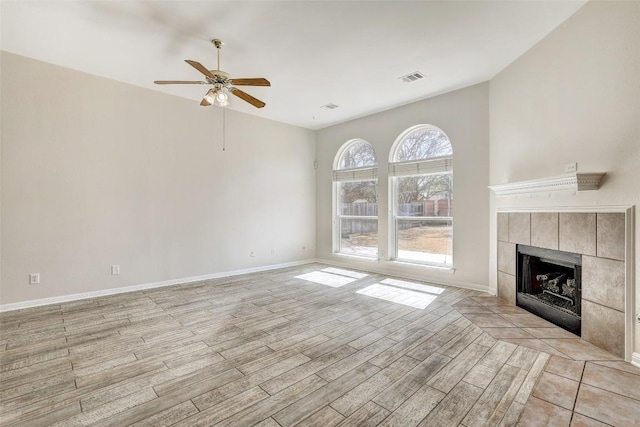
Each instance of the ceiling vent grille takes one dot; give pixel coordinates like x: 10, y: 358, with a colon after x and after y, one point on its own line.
x: 410, y: 78
x: 330, y: 106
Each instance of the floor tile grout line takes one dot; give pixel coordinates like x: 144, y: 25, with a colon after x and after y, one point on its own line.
x: 599, y: 363
x: 575, y: 401
x: 609, y: 391
x: 544, y: 369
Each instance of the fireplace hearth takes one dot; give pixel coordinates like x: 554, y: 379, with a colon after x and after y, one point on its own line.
x: 549, y: 285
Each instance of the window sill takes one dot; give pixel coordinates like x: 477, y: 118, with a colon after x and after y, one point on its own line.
x: 439, y: 268
x: 397, y: 262
x: 358, y: 257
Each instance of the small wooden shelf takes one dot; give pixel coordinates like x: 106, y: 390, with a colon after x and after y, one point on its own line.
x: 573, y: 182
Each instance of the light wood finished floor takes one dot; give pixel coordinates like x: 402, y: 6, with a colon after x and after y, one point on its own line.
x: 308, y: 346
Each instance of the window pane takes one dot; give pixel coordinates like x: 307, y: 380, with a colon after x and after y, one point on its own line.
x: 425, y: 195
x: 427, y: 241
x: 358, y: 198
x: 360, y: 154
x: 359, y: 236
x: 423, y: 143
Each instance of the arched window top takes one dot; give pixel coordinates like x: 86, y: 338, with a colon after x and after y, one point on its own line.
x: 354, y: 154
x: 421, y: 142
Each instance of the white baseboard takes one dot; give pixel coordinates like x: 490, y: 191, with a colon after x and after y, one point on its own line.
x: 114, y: 291
x: 635, y: 359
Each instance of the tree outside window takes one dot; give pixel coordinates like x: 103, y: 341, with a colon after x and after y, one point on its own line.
x: 355, y: 177
x: 422, y: 186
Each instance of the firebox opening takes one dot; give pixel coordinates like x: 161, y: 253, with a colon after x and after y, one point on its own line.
x: 549, y: 285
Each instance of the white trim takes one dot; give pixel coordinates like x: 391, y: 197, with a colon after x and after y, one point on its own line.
x: 424, y: 218
x: 574, y: 182
x: 635, y: 359
x: 571, y: 209
x: 356, y: 257
x: 400, y: 139
x: 115, y: 291
x: 436, y: 268
x: 344, y: 147
x: 370, y: 266
x: 629, y: 261
x: 358, y: 217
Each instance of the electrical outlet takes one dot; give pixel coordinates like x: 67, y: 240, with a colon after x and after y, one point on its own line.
x: 34, y: 278
x: 273, y: 251
x: 304, y: 249
x: 571, y: 167
x: 115, y: 270
x: 252, y: 254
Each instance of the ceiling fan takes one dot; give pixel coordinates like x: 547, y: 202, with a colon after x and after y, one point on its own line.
x: 221, y: 82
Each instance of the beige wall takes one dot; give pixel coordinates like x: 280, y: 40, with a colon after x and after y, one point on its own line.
x: 464, y: 116
x: 574, y: 97
x: 97, y: 172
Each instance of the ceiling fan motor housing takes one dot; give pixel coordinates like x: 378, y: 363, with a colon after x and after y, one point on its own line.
x: 220, y: 73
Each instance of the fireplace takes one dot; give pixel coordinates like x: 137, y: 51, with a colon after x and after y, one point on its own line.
x: 549, y: 285
x: 599, y: 243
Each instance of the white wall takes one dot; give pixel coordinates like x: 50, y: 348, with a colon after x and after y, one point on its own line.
x: 464, y: 116
x: 574, y: 97
x: 97, y: 172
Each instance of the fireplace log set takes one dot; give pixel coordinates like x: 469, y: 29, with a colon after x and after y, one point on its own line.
x: 558, y: 284
x: 555, y: 282
x: 548, y: 285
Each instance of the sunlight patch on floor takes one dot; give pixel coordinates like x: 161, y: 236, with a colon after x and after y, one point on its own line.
x: 414, y: 286
x: 328, y: 279
x: 400, y: 296
x: 343, y: 272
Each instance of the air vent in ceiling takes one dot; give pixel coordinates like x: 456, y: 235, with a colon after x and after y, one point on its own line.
x: 330, y: 106
x: 410, y: 78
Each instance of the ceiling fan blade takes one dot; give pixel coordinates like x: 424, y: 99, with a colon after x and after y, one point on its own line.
x: 179, y: 82
x: 250, y: 82
x: 250, y: 99
x: 198, y: 66
x: 204, y: 102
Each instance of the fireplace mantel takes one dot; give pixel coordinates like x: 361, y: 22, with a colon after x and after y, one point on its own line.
x: 573, y: 182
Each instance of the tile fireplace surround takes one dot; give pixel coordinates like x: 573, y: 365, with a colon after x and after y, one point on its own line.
x: 600, y: 238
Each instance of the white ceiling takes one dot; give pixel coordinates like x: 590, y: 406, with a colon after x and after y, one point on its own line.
x: 349, y: 53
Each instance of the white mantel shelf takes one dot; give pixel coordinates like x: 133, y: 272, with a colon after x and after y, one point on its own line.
x: 572, y: 182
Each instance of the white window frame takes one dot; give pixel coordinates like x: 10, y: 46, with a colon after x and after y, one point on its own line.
x: 429, y: 166
x: 369, y: 173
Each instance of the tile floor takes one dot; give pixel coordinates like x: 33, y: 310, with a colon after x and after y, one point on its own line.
x: 305, y: 346
x: 581, y: 385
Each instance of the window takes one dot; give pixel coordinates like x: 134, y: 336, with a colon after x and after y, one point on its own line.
x: 356, y: 200
x: 421, y: 173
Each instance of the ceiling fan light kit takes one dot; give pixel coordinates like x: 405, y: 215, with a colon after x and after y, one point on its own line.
x: 221, y: 82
